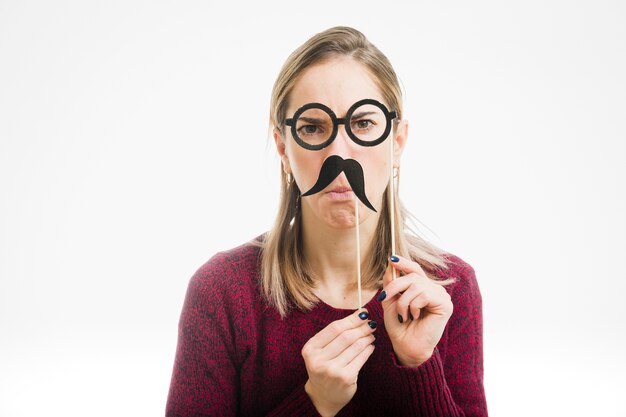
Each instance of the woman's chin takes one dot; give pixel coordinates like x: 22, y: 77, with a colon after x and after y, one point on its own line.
x: 340, y: 217
x: 341, y: 222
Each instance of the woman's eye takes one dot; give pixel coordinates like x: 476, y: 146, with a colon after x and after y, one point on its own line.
x: 309, y: 129
x: 363, y: 124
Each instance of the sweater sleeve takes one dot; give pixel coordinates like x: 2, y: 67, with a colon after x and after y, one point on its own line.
x: 427, y: 391
x: 211, y: 348
x: 452, y: 386
x: 463, y: 362
x: 298, y: 403
x: 204, y: 379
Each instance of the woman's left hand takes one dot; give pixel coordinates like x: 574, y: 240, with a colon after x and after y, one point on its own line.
x: 416, y: 312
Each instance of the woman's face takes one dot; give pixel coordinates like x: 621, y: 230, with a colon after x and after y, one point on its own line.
x: 338, y: 84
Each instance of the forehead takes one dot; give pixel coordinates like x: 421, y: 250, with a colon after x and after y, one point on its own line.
x: 337, y: 83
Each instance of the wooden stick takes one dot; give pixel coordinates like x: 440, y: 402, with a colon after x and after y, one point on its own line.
x: 392, y: 209
x: 358, y: 250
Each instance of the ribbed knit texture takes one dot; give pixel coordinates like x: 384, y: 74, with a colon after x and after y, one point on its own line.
x: 237, y: 357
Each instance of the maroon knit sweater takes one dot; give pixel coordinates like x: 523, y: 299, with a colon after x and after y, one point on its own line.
x: 237, y: 357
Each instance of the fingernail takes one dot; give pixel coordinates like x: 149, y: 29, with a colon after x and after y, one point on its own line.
x: 394, y: 258
x: 364, y: 315
x: 410, y: 315
x: 382, y: 295
x: 400, y: 318
x: 372, y: 324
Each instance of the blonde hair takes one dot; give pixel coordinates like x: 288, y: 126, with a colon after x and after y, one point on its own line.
x: 286, y: 277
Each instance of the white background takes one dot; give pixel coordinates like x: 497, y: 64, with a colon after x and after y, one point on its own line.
x: 133, y: 146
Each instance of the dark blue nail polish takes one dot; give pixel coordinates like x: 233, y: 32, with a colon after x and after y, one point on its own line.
x: 372, y: 324
x: 364, y: 315
x: 400, y: 318
x: 394, y: 258
x: 382, y: 295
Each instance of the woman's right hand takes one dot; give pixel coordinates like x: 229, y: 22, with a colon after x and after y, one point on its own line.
x: 333, y: 359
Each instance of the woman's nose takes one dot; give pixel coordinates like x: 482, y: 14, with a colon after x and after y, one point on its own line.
x: 342, y: 145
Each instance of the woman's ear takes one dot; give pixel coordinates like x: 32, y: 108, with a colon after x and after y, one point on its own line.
x: 400, y: 138
x: 279, y: 140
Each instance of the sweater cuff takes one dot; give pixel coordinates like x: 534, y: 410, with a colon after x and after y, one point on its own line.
x: 427, y: 391
x: 298, y: 403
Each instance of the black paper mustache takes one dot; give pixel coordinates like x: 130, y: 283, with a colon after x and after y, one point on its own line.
x: 335, y: 165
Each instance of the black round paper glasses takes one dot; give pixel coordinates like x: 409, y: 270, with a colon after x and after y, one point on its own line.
x: 314, y: 126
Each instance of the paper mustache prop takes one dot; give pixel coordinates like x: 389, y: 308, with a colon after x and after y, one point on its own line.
x: 335, y: 165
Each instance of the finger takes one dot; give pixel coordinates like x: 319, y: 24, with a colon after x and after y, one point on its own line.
x: 330, y: 332
x: 390, y: 295
x: 406, y: 265
x: 357, y: 363
x: 345, y: 340
x: 437, y: 302
x: 414, y: 312
x: 405, y: 300
x: 352, y: 351
x: 402, y: 284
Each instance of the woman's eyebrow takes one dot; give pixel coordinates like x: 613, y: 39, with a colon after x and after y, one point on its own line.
x: 311, y: 119
x: 362, y: 114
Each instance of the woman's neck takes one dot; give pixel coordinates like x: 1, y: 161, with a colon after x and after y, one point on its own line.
x: 331, y: 255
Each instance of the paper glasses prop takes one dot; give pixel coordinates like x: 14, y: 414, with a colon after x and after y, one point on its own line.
x: 314, y: 126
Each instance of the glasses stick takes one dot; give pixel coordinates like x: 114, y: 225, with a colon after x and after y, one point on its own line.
x: 392, y: 208
x: 358, y: 250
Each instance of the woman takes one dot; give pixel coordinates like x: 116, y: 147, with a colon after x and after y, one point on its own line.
x: 272, y: 327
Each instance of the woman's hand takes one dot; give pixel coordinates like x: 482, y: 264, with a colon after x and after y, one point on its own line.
x: 333, y: 359
x: 416, y: 312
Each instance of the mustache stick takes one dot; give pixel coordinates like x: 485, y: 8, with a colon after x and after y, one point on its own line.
x: 392, y: 209
x: 331, y: 168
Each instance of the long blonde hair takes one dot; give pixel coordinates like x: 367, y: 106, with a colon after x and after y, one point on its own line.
x: 286, y: 277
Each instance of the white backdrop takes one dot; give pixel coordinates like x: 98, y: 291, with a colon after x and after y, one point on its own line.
x: 133, y: 146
